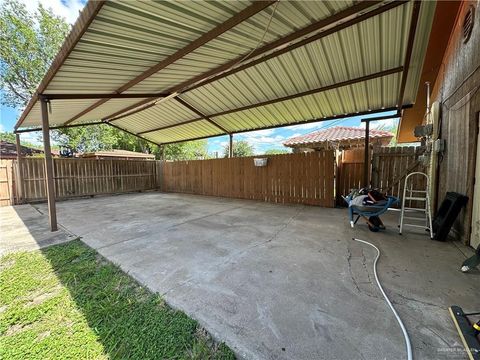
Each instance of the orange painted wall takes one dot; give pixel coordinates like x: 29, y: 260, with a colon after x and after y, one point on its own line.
x: 443, y: 23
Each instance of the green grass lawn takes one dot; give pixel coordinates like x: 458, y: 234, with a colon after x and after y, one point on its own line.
x: 68, y: 302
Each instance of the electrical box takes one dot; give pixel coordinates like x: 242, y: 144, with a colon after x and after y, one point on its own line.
x: 423, y: 130
x: 439, y: 145
x: 424, y: 159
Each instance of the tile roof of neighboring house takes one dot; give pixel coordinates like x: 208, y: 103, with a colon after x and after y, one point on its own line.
x: 336, y: 134
x: 8, y: 150
x: 118, y: 153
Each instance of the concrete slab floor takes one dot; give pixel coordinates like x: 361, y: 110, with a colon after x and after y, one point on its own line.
x: 25, y: 228
x: 283, y: 281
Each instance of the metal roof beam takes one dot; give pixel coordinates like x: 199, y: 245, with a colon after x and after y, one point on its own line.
x: 408, y: 55
x: 279, y: 44
x: 103, y: 96
x: 296, y: 123
x: 131, y: 133
x: 58, y: 127
x: 199, y: 113
x: 251, y: 10
x: 290, y: 97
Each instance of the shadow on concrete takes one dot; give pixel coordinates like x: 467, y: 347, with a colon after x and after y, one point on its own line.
x: 23, y: 227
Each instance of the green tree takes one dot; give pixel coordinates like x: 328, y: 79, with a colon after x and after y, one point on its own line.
x: 10, y: 137
x: 7, y: 136
x: 28, y: 44
x: 277, y: 151
x: 189, y: 150
x: 85, y: 139
x: 240, y: 148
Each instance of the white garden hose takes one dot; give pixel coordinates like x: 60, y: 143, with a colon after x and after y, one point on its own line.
x: 404, y: 330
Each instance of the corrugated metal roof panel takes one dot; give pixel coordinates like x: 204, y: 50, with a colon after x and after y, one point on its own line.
x: 109, y: 107
x: 182, y: 132
x: 345, y: 100
x: 163, y: 114
x: 125, y: 32
x: 127, y: 38
x: 330, y: 60
x: 63, y: 110
x: 59, y: 112
x: 240, y: 40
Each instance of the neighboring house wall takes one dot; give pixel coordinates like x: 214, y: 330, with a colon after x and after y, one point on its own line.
x: 457, y: 90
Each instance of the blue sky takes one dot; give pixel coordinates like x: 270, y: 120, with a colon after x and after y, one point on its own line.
x: 261, y: 140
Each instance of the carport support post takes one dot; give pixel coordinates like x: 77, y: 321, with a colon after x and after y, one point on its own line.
x: 50, y: 186
x: 366, y: 164
x: 19, y: 179
x: 230, y: 147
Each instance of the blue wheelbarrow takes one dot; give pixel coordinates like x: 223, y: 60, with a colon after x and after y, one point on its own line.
x: 370, y: 213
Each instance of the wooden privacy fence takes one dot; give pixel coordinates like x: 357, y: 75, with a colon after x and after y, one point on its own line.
x: 83, y: 177
x: 291, y: 178
x: 390, y: 166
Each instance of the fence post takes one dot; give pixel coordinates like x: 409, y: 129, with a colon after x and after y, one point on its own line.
x: 367, y: 157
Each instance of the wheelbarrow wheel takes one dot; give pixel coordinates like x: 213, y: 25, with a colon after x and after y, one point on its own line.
x: 373, y: 228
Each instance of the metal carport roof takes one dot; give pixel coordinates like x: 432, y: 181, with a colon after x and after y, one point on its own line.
x: 174, y: 71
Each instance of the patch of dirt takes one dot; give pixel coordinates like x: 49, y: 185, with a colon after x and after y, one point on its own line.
x: 101, y: 260
x: 37, y: 298
x: 17, y: 328
x: 3, y: 308
x: 43, y: 335
x: 6, y: 264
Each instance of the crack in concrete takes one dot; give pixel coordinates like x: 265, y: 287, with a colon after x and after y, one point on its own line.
x: 349, y: 257
x: 352, y: 275
x: 206, y: 216
x: 416, y: 300
x: 364, y: 263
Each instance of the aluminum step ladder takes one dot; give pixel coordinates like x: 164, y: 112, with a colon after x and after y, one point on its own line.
x: 419, y: 195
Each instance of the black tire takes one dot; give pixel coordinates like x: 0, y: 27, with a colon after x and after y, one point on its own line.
x: 373, y: 228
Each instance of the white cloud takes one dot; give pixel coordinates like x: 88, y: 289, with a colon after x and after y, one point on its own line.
x: 32, y: 137
x: 382, y: 124
x: 312, y: 125
x: 68, y: 9
x: 261, y: 133
x: 254, y: 140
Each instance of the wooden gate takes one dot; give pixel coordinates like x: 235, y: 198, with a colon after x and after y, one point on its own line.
x: 390, y: 166
x: 291, y: 178
x: 350, y: 171
x: 7, y: 182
